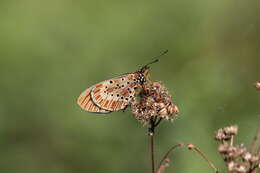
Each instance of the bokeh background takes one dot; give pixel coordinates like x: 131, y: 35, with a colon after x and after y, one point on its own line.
x: 50, y: 51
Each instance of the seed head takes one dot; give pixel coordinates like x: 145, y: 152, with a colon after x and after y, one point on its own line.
x: 226, y: 133
x: 237, y: 167
x: 236, y: 157
x: 229, y: 151
x: 155, y: 101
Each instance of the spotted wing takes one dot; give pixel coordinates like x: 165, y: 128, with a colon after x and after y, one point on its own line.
x: 115, y: 94
x: 86, y: 103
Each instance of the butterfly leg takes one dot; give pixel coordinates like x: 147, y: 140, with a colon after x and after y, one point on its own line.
x: 125, y: 108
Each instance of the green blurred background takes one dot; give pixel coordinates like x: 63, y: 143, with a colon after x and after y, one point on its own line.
x: 50, y: 51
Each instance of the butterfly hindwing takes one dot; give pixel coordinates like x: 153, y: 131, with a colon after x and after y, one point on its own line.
x: 115, y: 94
x: 87, y: 104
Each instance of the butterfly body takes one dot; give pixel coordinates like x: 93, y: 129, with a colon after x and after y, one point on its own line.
x: 114, y: 94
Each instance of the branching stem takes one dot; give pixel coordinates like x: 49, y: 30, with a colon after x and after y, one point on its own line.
x: 190, y: 147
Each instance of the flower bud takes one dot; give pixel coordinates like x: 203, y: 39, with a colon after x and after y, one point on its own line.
x: 257, y: 85
x: 173, y: 109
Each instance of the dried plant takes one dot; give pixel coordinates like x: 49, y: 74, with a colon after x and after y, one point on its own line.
x: 155, y: 104
x: 237, y: 158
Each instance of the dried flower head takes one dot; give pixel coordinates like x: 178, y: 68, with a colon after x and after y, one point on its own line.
x: 257, y: 85
x: 237, y: 167
x: 230, y: 152
x: 247, y: 156
x: 155, y: 101
x: 226, y: 133
x: 237, y: 158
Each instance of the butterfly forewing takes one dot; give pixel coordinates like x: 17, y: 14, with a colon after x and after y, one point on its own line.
x: 87, y: 104
x: 115, y: 94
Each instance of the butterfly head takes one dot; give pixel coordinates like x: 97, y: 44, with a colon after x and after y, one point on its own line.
x: 143, y: 75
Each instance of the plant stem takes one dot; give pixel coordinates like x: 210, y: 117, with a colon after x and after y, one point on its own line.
x: 158, y: 122
x: 151, y: 135
x: 190, y: 147
x: 254, y: 142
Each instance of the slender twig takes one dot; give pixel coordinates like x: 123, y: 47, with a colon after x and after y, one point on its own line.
x: 158, y: 122
x: 254, y: 142
x: 154, y: 120
x: 163, y: 166
x: 253, y: 170
x: 254, y: 150
x: 169, y: 151
x: 151, y: 135
x: 153, y: 124
x: 231, y: 140
x: 152, y: 152
x: 190, y: 147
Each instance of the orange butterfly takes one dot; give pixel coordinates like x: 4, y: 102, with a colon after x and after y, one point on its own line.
x: 114, y: 94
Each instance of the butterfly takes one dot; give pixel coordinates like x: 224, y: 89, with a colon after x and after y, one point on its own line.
x: 117, y: 93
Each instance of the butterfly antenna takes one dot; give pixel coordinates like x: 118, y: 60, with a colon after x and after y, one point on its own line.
x: 157, y: 58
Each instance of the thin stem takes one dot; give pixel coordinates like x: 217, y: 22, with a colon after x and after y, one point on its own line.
x: 254, y: 142
x: 158, y: 122
x: 169, y: 151
x: 231, y: 141
x: 253, y: 170
x: 190, y: 147
x: 153, y: 124
x: 151, y: 134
